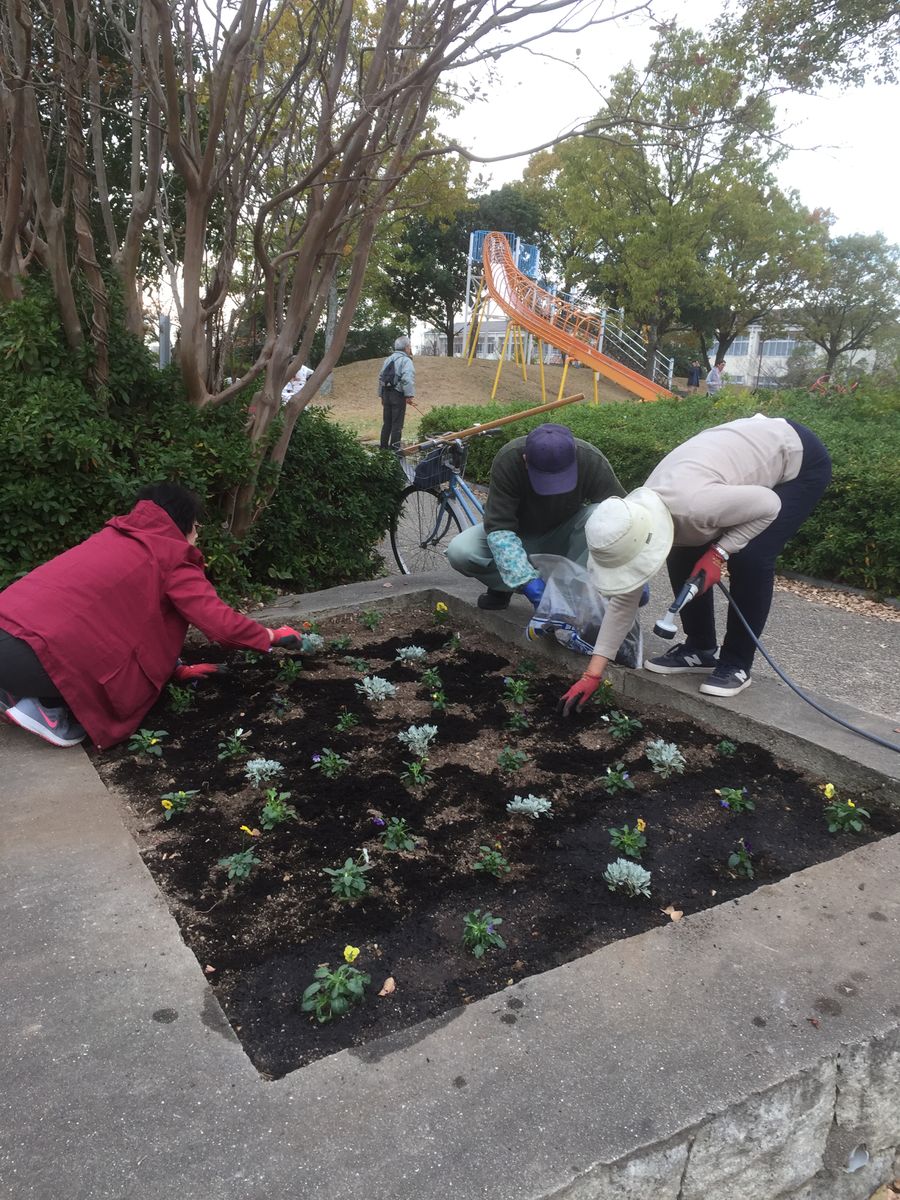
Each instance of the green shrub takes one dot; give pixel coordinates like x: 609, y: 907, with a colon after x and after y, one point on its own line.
x: 853, y: 535
x: 334, y: 502
x: 69, y: 462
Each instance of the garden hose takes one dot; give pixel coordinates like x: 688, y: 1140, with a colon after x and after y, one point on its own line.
x: 872, y: 737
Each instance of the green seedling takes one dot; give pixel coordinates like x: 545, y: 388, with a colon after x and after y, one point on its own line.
x: 510, y: 761
x: 240, y: 865
x: 333, y: 993
x: 234, y: 746
x: 349, y: 881
x: 181, y: 699
x: 491, y: 862
x: 371, y: 619
x: 617, y: 779
x: 480, y: 932
x: 396, y: 836
x: 276, y: 809
x: 345, y: 722
x: 330, y: 763
x: 630, y: 842
x: 176, y: 802
x: 735, y: 800
x: 740, y: 860
x: 147, y: 741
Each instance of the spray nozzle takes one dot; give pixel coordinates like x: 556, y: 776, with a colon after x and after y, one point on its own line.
x: 665, y: 627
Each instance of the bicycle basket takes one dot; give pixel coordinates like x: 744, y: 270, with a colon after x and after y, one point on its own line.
x: 438, y: 466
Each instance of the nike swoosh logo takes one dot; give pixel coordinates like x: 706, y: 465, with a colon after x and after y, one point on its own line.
x: 53, y: 724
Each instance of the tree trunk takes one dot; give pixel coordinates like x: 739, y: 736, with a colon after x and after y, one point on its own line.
x: 449, y: 327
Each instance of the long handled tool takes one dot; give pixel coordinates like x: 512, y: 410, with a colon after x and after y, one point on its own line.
x: 496, y: 423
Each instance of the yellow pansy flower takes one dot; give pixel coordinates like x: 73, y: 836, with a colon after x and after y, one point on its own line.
x: 167, y: 803
x: 441, y: 607
x: 246, y: 829
x: 641, y: 824
x: 829, y: 791
x: 351, y: 953
x: 153, y: 741
x: 850, y: 804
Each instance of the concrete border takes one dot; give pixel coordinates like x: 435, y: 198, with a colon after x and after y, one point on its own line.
x: 747, y: 1050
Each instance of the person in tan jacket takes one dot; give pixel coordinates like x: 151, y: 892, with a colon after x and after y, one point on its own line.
x: 732, y: 494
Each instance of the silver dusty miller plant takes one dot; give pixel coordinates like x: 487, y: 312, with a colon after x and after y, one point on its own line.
x: 376, y: 689
x: 628, y: 877
x: 311, y: 643
x: 530, y: 806
x: 665, y: 757
x: 417, y: 739
x: 410, y: 654
x: 260, y: 770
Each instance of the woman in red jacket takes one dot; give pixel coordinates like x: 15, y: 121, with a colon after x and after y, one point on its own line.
x: 89, y: 639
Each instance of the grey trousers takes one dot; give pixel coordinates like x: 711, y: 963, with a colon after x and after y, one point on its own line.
x: 470, y: 554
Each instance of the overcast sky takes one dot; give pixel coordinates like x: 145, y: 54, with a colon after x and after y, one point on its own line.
x: 846, y: 159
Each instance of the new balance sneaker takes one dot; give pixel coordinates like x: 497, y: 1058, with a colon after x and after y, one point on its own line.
x: 494, y: 599
x: 681, y: 660
x: 54, y: 725
x: 726, y: 681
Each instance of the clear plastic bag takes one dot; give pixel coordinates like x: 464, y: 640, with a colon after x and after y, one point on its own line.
x: 571, y: 611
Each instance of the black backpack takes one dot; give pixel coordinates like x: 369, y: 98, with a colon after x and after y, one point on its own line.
x: 387, y: 379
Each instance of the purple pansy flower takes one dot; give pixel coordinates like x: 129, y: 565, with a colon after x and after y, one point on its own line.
x: 378, y: 821
x: 317, y: 758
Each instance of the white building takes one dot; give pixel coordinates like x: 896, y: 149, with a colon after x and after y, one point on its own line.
x: 757, y: 361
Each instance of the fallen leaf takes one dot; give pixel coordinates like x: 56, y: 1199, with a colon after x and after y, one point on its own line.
x: 389, y: 987
x: 671, y: 911
x: 286, y: 878
x: 814, y: 1021
x: 209, y: 969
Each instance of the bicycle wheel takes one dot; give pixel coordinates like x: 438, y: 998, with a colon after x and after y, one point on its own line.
x: 422, y: 530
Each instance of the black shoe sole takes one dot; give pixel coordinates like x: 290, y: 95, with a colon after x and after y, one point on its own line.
x: 494, y: 601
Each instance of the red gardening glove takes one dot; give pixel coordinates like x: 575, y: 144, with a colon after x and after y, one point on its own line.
x: 711, y: 567
x: 285, y: 637
x: 185, y: 674
x: 578, y: 694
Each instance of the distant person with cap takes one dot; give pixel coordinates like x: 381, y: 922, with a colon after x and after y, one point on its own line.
x: 397, y: 388
x: 541, y: 490
x: 732, y: 494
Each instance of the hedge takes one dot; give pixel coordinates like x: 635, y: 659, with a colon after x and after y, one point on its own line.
x: 853, y: 536
x: 68, y: 462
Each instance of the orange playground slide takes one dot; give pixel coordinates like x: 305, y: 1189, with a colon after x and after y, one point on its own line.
x: 571, y: 330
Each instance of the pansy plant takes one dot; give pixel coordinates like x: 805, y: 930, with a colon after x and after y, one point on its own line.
x: 147, y: 741
x: 843, y: 815
x: 178, y: 802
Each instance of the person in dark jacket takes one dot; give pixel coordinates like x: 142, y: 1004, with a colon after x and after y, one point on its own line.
x: 541, y: 491
x: 89, y: 639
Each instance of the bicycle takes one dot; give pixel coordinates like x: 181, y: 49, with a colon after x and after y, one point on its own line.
x: 429, y: 513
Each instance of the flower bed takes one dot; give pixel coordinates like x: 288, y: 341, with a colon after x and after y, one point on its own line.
x: 290, y: 825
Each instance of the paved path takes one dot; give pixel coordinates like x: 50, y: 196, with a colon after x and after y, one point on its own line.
x: 824, y: 649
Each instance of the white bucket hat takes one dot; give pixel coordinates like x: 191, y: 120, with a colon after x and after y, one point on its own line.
x: 628, y: 540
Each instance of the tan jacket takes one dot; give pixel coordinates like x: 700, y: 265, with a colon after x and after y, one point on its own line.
x: 718, y: 487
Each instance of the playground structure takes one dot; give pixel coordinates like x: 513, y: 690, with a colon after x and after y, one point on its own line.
x: 598, y: 339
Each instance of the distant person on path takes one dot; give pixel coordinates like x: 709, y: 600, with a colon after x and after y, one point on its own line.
x: 397, y: 388
x: 714, y: 379
x: 734, y: 493
x: 693, y: 377
x: 541, y: 490
x: 89, y: 640
x: 294, y: 384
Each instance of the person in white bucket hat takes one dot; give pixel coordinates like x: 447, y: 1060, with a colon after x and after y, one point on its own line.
x: 734, y: 493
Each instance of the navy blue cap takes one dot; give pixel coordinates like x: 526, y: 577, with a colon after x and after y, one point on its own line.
x: 550, y: 460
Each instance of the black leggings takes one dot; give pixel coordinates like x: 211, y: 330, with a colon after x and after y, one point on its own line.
x: 21, y: 672
x: 751, y: 571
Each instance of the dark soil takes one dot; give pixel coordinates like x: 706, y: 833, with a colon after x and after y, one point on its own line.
x: 259, y: 942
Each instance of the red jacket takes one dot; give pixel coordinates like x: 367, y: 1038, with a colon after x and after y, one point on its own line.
x: 107, y: 619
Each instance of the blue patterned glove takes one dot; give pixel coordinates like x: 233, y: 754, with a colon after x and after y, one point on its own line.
x: 533, y: 590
